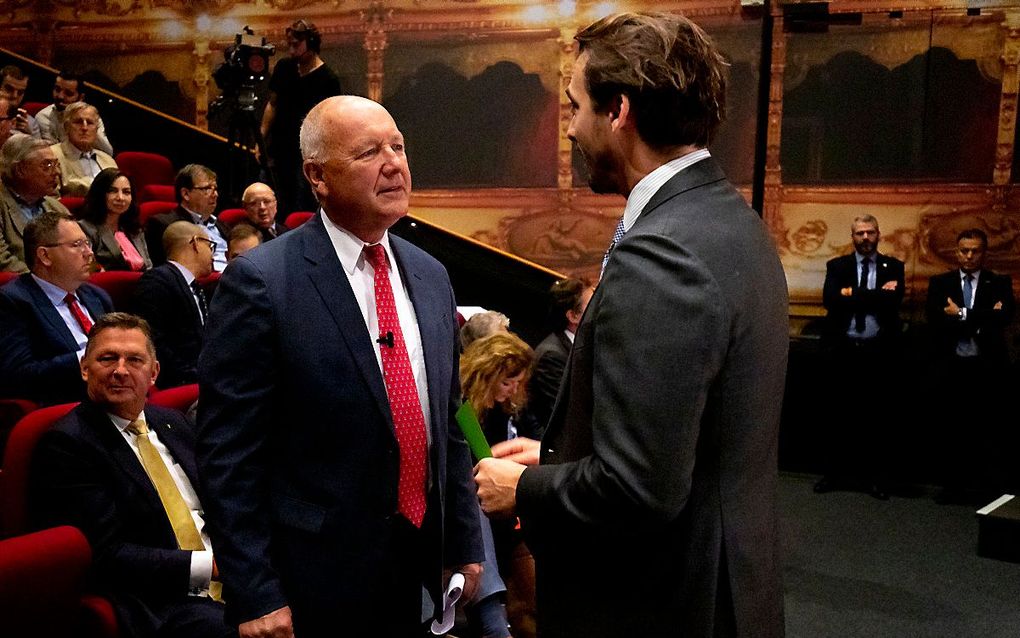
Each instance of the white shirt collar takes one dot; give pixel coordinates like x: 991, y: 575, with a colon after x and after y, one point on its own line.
x: 123, y: 423
x: 349, y: 248
x: 976, y: 274
x: 187, y: 274
x: 650, y: 184
x: 53, y: 292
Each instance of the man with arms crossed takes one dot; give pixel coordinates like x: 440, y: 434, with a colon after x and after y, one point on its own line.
x: 338, y: 481
x: 652, y: 512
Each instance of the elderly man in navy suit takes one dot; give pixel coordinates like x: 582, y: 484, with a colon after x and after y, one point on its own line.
x: 46, y: 314
x: 653, y: 510
x: 124, y: 473
x: 338, y: 482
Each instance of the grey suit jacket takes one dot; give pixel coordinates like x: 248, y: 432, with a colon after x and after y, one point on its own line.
x: 653, y: 510
x: 12, y: 229
x: 106, y: 249
x: 74, y: 180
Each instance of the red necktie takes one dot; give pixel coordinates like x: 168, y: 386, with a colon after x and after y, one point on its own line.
x: 408, y: 421
x: 79, y: 314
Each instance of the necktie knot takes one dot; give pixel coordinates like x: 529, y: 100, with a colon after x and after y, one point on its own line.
x: 138, y: 427
x: 376, y: 255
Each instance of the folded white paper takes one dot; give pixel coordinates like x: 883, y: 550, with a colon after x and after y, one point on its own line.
x: 453, y: 592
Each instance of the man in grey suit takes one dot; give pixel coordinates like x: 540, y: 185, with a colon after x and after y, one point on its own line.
x: 653, y: 509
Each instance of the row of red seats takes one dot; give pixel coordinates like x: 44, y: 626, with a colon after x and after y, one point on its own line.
x: 43, y: 574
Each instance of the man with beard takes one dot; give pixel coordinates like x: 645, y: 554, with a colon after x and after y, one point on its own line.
x: 862, y: 295
x: 652, y: 510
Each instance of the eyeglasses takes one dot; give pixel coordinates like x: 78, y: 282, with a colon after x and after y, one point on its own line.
x: 255, y: 203
x: 78, y: 244
x: 212, y: 244
x: 210, y: 187
x: 49, y: 165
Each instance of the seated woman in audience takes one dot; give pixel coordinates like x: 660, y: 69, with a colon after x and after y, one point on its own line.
x: 494, y: 373
x: 110, y: 221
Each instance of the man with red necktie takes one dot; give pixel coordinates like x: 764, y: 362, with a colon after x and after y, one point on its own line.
x: 47, y: 313
x: 338, y: 482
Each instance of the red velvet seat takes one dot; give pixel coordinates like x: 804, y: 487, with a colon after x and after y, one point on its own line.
x: 17, y: 458
x: 74, y: 204
x: 12, y: 411
x: 119, y: 284
x: 145, y: 168
x: 151, y: 209
x: 231, y: 216
x: 156, y: 193
x: 180, y: 398
x: 6, y: 275
x: 33, y: 107
x: 297, y: 218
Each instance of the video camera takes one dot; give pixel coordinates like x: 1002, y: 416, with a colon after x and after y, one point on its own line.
x: 245, y: 65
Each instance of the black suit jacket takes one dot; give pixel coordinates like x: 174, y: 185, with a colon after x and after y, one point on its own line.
x: 984, y: 324
x: 296, y: 447
x: 38, y: 354
x: 550, y: 360
x: 164, y: 299
x: 85, y: 474
x: 157, y: 224
x: 840, y: 273
x: 653, y: 512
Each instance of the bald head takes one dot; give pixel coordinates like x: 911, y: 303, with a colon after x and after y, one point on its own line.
x: 259, y: 203
x: 177, y: 237
x: 354, y: 160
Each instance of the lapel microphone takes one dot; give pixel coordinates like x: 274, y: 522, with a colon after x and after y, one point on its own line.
x: 386, y: 340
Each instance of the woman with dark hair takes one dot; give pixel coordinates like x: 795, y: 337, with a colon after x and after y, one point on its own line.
x: 110, y: 221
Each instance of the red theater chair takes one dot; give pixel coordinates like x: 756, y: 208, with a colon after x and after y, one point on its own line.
x: 73, y: 204
x: 156, y: 193
x: 119, y: 284
x: 42, y: 578
x: 17, y: 458
x: 32, y: 108
x: 145, y: 168
x: 6, y: 275
x: 180, y: 398
x: 151, y: 209
x: 231, y: 216
x: 296, y: 219
x: 12, y: 411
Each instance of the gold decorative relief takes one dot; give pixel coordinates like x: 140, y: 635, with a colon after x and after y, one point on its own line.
x: 114, y: 8
x: 938, y: 234
x: 809, y: 238
x: 558, y: 239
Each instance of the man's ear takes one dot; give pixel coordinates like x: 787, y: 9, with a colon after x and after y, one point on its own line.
x: 619, y: 111
x: 313, y: 173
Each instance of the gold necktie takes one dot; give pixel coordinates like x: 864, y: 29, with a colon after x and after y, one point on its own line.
x: 177, y: 510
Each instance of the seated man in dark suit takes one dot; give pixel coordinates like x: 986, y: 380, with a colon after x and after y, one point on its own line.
x: 968, y: 310
x: 259, y: 203
x: 170, y: 298
x: 46, y: 314
x: 196, y: 192
x: 123, y: 473
x: 567, y: 300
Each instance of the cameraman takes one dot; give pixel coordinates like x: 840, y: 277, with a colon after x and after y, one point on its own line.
x: 298, y: 83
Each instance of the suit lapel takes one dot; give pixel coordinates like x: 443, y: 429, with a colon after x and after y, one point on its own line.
x: 17, y: 217
x: 174, y: 441
x: 50, y: 314
x: 185, y: 293
x: 92, y: 301
x: 698, y: 174
x: 330, y: 281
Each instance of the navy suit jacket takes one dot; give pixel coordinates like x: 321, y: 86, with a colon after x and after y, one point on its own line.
x: 38, y: 354
x: 157, y: 224
x: 85, y: 474
x: 296, y: 447
x: 984, y: 324
x: 840, y: 273
x: 164, y: 299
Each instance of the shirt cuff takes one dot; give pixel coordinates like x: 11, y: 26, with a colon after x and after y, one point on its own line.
x: 201, y: 570
x: 963, y: 313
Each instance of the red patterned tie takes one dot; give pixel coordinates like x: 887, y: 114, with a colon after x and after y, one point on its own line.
x: 408, y: 421
x: 79, y: 314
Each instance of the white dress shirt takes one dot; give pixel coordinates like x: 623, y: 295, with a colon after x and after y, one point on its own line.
x: 189, y: 277
x: 650, y: 184
x: 201, y: 561
x: 56, y: 295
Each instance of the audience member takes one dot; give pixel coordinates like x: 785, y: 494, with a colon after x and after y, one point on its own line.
x: 8, y: 115
x: 124, y: 474
x: 653, y: 511
x: 567, y: 300
x: 259, y: 203
x: 243, y: 237
x: 66, y: 91
x: 13, y: 85
x: 968, y: 310
x: 80, y: 160
x: 46, y: 314
x: 285, y: 412
x: 170, y: 297
x: 862, y: 295
x: 482, y: 324
x: 29, y: 173
x: 298, y: 83
x: 196, y: 192
x: 110, y: 220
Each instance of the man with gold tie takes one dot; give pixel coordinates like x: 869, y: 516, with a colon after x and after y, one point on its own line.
x: 124, y: 473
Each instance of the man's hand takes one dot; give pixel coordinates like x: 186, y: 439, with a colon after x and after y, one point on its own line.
x: 472, y: 579
x: 520, y: 450
x: 276, y: 624
x: 890, y: 285
x: 497, y: 486
x: 21, y: 123
x: 847, y: 292
x: 997, y: 306
x: 951, y: 308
